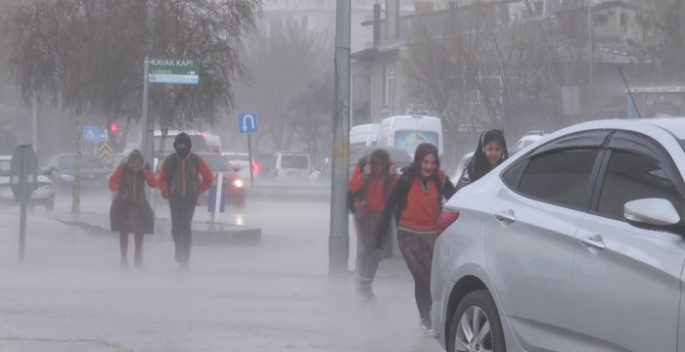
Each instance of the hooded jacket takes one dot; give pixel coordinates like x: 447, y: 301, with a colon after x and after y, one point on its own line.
x: 184, y: 174
x: 479, y: 165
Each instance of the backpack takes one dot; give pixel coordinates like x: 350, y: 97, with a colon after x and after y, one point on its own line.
x: 352, y: 198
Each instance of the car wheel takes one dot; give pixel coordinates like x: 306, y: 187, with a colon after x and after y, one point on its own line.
x: 476, y: 325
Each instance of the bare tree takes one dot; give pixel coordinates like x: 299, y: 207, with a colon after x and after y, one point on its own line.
x: 86, y: 56
x: 281, y: 65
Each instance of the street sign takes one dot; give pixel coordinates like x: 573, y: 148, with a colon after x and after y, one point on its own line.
x: 180, y: 71
x: 23, y: 178
x: 105, y: 151
x: 90, y: 133
x: 247, y: 123
x: 103, y: 136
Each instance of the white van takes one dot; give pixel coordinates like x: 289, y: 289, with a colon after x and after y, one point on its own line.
x: 408, y: 131
x: 287, y: 166
x: 364, y: 135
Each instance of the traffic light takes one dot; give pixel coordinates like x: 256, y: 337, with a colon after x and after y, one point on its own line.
x: 116, y: 138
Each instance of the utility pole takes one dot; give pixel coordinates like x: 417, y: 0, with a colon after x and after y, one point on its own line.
x: 148, y: 124
x: 339, y: 239
x: 590, y: 27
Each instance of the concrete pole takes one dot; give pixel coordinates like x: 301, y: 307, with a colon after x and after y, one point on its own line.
x: 591, y: 59
x: 339, y: 239
x: 148, y: 124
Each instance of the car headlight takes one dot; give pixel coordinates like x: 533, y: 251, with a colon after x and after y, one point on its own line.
x: 239, y: 183
x: 67, y: 177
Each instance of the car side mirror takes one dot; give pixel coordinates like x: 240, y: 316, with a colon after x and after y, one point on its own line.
x: 236, y: 169
x: 47, y: 172
x: 654, y: 213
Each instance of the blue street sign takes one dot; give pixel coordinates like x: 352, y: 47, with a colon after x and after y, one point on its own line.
x: 212, y: 200
x: 90, y: 133
x: 103, y: 136
x: 247, y: 123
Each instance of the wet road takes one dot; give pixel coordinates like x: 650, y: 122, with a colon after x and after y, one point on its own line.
x: 70, y: 294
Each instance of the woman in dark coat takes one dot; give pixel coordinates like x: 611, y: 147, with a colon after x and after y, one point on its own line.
x: 490, y: 153
x: 416, y: 201
x: 130, y: 211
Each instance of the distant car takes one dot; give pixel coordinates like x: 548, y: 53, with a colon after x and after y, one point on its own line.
x: 529, y: 138
x: 289, y: 166
x: 242, y: 161
x: 43, y: 195
x: 94, y: 172
x: 263, y: 160
x: 465, y: 160
x: 233, y: 184
x: 399, y: 156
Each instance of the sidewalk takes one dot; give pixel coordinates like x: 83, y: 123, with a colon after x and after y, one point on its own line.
x: 204, y: 233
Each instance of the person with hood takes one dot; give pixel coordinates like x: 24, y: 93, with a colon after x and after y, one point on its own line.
x: 130, y: 211
x: 416, y: 201
x: 370, y: 187
x: 490, y: 153
x: 184, y: 176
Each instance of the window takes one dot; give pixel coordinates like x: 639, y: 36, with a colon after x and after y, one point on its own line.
x: 561, y: 178
x: 5, y: 166
x: 630, y: 177
x: 624, y: 22
x: 217, y: 163
x: 389, y: 84
x: 294, y: 162
x: 67, y: 162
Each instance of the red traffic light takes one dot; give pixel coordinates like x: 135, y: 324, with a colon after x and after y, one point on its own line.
x: 114, y: 127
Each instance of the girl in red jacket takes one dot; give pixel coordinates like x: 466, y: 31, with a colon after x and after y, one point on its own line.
x: 371, y: 184
x: 416, y: 202
x: 130, y: 211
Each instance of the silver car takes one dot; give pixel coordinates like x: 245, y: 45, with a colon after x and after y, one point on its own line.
x: 574, y: 244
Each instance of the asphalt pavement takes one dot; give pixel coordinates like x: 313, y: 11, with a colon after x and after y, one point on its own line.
x: 71, y: 295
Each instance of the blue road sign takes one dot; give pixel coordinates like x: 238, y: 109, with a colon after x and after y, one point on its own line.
x: 212, y: 200
x: 247, y: 123
x: 90, y: 133
x: 103, y: 136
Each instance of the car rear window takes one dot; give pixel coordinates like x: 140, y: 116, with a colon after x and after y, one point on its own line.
x: 5, y: 167
x: 294, y: 162
x: 216, y: 162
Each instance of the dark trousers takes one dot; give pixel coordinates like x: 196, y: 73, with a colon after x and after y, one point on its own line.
x: 182, y: 211
x: 368, y: 263
x: 424, y: 301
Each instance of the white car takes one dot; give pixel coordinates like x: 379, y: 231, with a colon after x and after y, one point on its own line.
x: 43, y: 195
x: 529, y: 138
x: 242, y: 161
x: 465, y: 160
x: 576, y: 243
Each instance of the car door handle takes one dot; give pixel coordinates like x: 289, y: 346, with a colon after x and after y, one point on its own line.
x: 594, y: 242
x: 506, y: 216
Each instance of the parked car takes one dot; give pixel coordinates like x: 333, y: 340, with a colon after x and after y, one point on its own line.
x: 233, y: 185
x: 242, y: 161
x: 573, y: 244
x: 94, y: 172
x: 529, y: 138
x: 43, y: 195
x: 289, y: 166
x: 465, y: 160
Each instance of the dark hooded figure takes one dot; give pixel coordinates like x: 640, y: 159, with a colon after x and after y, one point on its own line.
x: 491, y: 151
x: 416, y: 201
x: 184, y: 176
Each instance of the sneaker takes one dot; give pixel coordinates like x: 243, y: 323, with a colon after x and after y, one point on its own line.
x: 367, y: 290
x: 138, y: 261
x: 426, y: 326
x: 124, y: 263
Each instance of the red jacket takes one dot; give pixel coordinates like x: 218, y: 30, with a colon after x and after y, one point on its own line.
x: 376, y: 192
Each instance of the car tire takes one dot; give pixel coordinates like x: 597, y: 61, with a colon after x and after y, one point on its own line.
x: 479, y: 305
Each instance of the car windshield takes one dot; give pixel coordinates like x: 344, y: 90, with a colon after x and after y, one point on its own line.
x: 216, y: 162
x: 87, y: 162
x: 294, y: 162
x: 237, y: 157
x: 5, y: 167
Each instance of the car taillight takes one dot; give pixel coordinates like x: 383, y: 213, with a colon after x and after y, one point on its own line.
x: 447, y: 218
x: 255, y: 167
